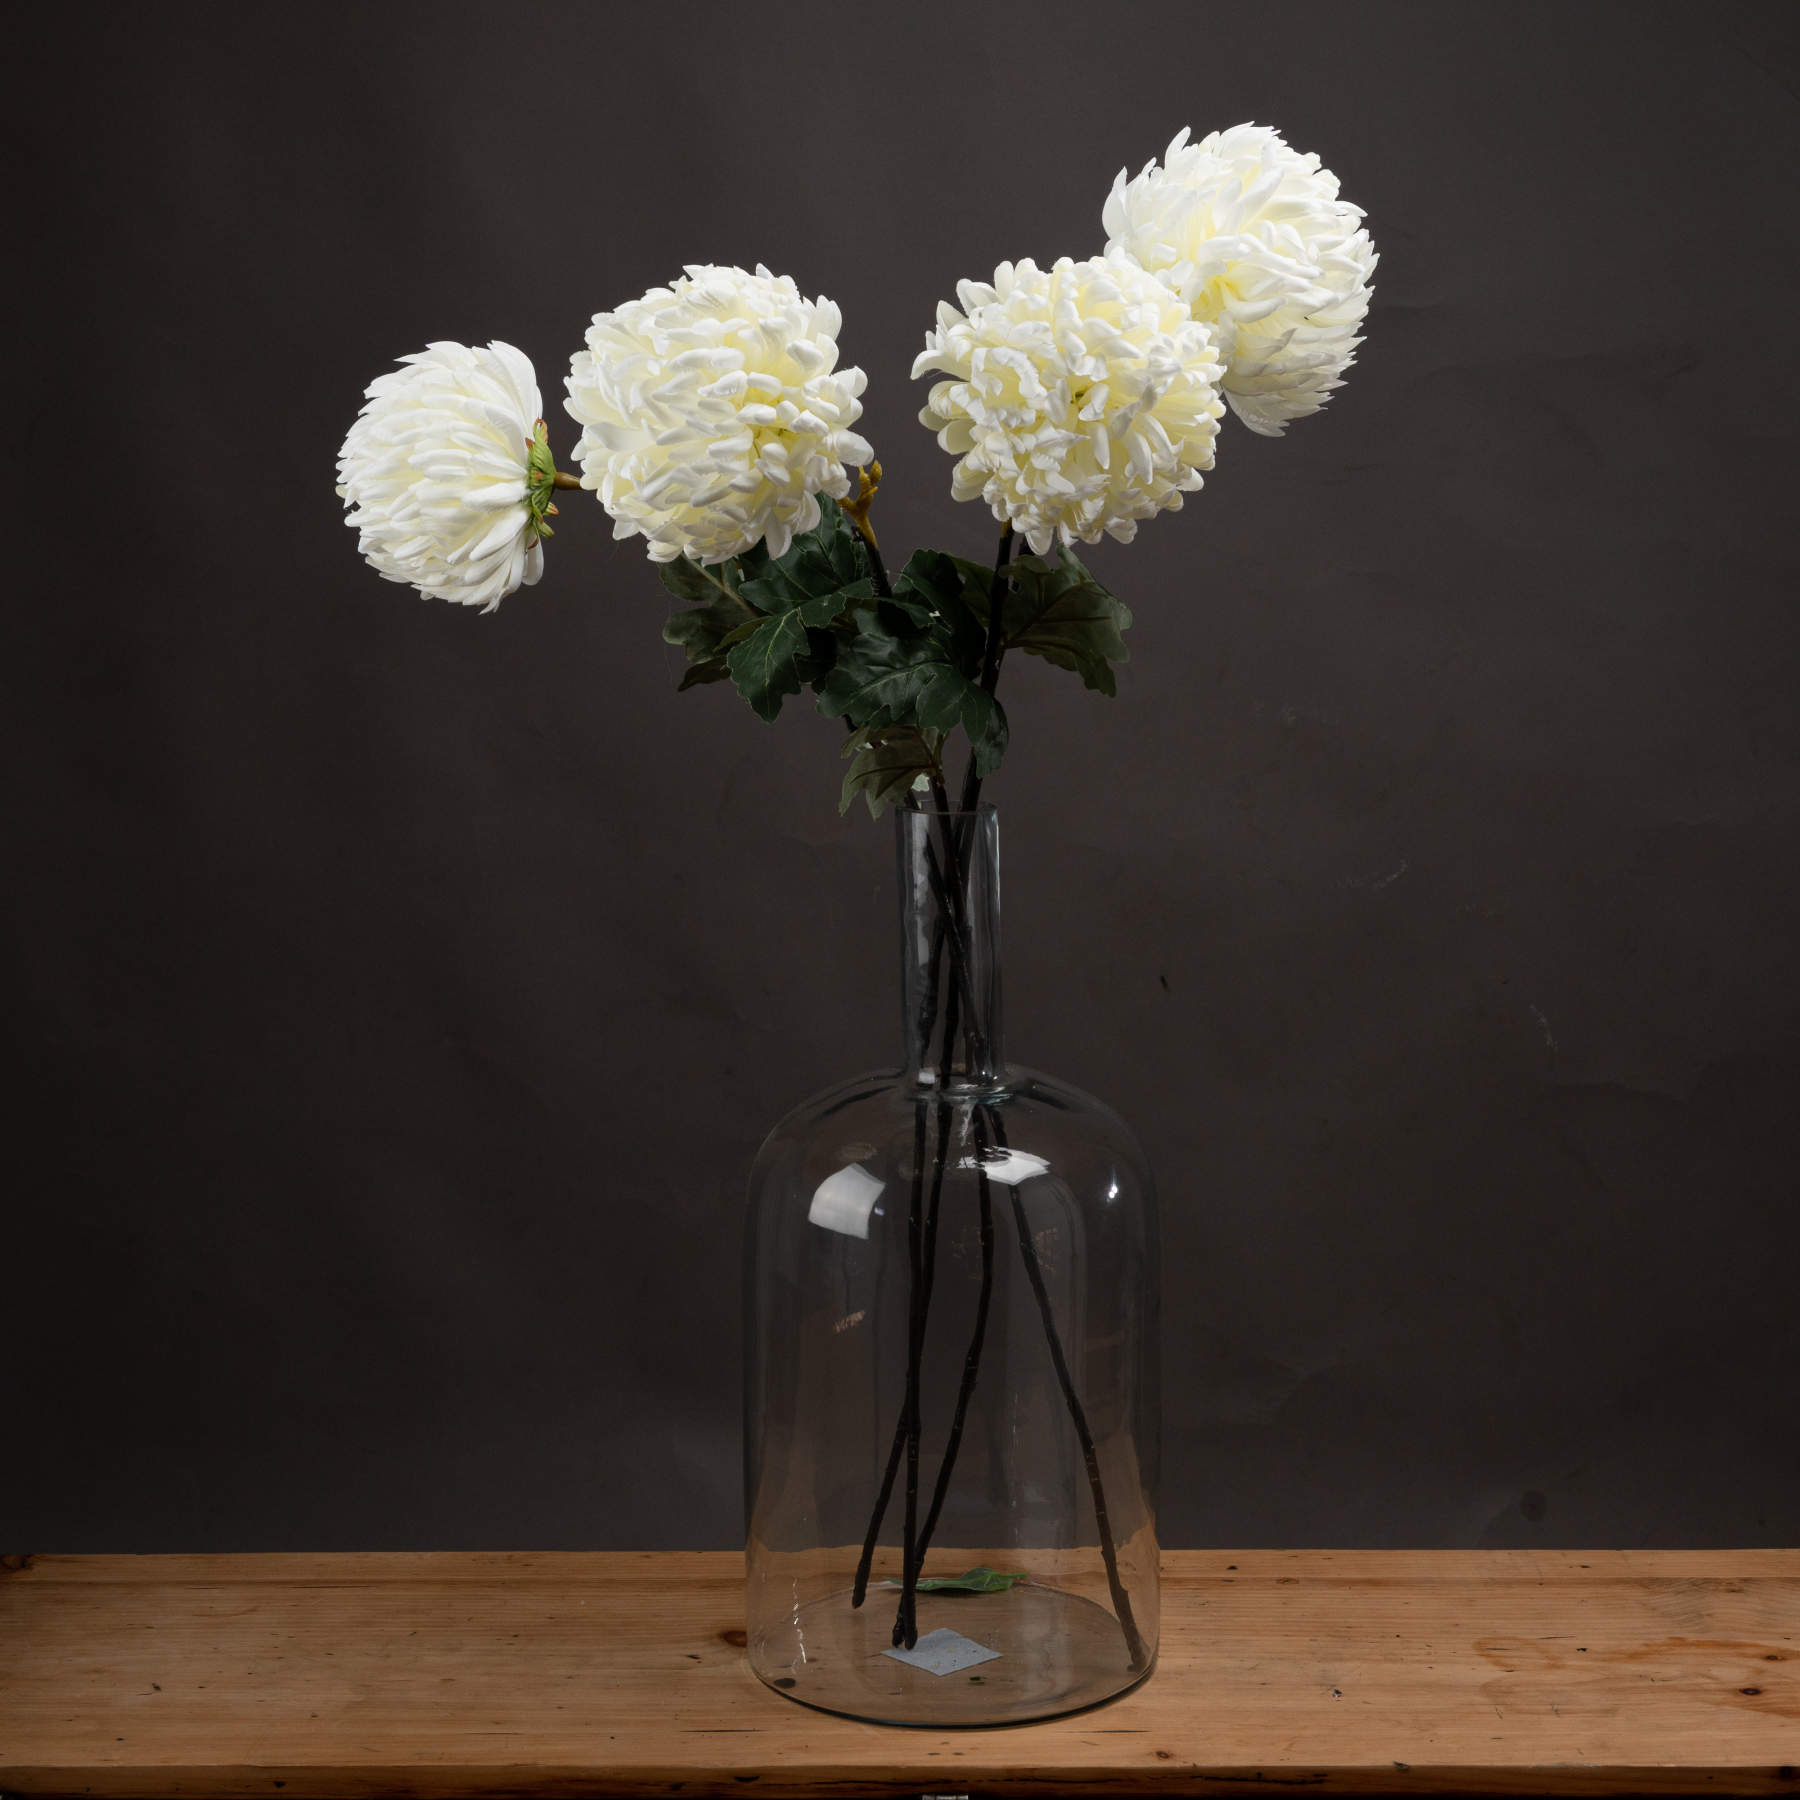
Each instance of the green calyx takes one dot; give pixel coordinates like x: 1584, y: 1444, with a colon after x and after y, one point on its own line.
x: 540, y: 482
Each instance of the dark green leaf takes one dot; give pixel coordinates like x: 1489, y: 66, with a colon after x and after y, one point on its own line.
x: 737, y: 635
x: 984, y: 719
x: 762, y: 666
x: 950, y: 588
x: 687, y: 581
x: 821, y: 611
x: 912, y: 680
x: 878, y: 678
x: 708, y: 629
x: 767, y: 622
x: 940, y: 702
x: 888, y: 759
x: 858, y: 592
x: 901, y: 615
x: 819, y: 657
x: 826, y: 560
x: 804, y: 572
x: 714, y: 668
x: 843, y: 543
x: 1057, y: 610
x: 702, y: 631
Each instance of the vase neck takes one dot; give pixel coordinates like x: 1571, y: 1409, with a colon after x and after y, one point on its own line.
x: 949, y: 869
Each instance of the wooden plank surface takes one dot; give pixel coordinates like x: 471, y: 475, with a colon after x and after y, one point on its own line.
x: 612, y: 1674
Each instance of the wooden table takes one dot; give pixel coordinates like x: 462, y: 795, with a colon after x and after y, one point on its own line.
x: 461, y: 1675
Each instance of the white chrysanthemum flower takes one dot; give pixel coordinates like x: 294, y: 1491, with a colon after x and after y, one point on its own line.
x: 715, y: 414
x: 1083, y: 397
x: 440, y: 474
x: 1254, y: 238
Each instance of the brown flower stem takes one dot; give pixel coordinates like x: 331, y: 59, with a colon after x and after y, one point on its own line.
x: 563, y: 479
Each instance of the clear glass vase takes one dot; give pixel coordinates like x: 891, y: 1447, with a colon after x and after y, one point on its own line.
x: 952, y: 1416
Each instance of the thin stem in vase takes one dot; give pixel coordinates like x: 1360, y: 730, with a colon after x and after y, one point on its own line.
x: 906, y: 1625
x: 906, y: 1622
x: 971, y: 1360
x: 903, y: 1445
x: 904, y: 1441
x: 987, y: 1116
x: 915, y: 1338
x: 949, y: 887
x: 1134, y: 1643
x: 990, y: 1132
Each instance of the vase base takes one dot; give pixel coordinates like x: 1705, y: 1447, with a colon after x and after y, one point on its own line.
x: 1049, y: 1653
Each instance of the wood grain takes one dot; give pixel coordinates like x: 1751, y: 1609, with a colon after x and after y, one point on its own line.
x: 610, y: 1674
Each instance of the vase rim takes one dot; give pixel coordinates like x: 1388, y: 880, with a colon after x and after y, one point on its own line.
x: 926, y: 810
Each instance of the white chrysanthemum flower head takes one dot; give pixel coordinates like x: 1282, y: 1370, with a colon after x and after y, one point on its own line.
x: 714, y: 413
x: 446, y: 481
x: 1254, y: 238
x: 1082, y: 398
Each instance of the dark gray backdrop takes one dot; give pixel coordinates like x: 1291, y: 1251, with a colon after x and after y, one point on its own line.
x: 402, y: 992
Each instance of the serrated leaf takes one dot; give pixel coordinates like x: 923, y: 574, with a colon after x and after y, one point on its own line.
x: 914, y: 658
x: 714, y: 668
x: 765, y: 663
x: 978, y: 581
x: 771, y: 624
x: 826, y: 560
x: 689, y: 582
x: 820, y: 611
x: 762, y: 666
x: 737, y: 635
x: 1056, y: 609
x: 703, y: 630
x: 878, y: 678
x: 843, y: 543
x: 804, y: 572
x: 940, y: 702
x: 913, y: 680
x: 933, y: 576
x: 984, y: 719
x: 721, y: 617
x: 888, y: 760
x: 819, y: 657
x: 943, y: 584
x: 901, y: 615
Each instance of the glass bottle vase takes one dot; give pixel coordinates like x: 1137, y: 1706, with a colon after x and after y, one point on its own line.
x: 952, y: 1415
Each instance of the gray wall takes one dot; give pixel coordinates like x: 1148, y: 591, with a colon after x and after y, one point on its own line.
x: 401, y: 993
